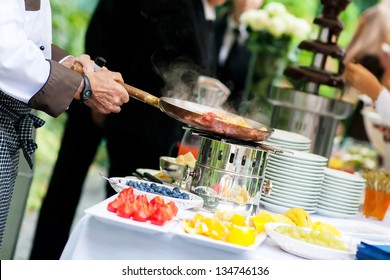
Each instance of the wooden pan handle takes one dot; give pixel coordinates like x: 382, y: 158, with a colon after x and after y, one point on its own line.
x: 141, y: 95
x: 132, y: 91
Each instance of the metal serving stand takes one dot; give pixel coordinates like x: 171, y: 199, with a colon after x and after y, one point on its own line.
x: 303, y: 110
x: 314, y: 116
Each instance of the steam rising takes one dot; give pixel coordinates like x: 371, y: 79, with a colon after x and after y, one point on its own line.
x: 180, y: 80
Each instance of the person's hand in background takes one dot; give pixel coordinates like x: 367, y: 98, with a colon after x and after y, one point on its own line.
x: 362, y: 79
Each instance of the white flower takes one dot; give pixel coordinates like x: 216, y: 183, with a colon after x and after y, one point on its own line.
x: 275, y: 9
x: 296, y: 27
x: 301, y: 28
x: 276, y: 26
x: 255, y: 19
x: 275, y: 19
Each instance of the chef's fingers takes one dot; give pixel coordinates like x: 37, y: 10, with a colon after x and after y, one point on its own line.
x: 87, y: 62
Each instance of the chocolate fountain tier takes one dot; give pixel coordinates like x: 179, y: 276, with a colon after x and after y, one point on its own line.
x: 317, y: 76
x: 327, y: 49
x: 334, y: 24
x: 332, y: 8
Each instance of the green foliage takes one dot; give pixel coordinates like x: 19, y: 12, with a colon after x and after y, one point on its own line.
x: 306, y: 9
x: 70, y: 20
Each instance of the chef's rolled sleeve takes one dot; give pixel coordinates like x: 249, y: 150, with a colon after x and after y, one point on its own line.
x: 56, y: 95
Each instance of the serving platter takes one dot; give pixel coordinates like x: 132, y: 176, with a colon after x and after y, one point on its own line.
x: 359, y: 229
x: 307, y: 250
x: 194, y: 201
x: 202, y: 240
x: 100, y: 212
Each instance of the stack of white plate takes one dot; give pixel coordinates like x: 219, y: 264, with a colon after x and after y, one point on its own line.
x: 341, y: 194
x: 296, y: 181
x: 289, y: 140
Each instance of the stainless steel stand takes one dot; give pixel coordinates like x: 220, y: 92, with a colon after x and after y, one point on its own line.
x: 308, y: 114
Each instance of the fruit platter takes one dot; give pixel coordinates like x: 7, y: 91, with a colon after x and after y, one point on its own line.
x: 310, y: 243
x: 238, y: 233
x: 183, y: 199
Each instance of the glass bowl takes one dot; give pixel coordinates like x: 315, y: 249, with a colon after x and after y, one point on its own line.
x: 170, y: 168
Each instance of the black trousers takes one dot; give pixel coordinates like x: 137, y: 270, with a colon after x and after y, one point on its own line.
x: 80, y: 142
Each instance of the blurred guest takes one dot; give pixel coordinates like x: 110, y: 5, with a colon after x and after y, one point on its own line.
x: 171, y: 44
x: 233, y: 53
x: 365, y: 48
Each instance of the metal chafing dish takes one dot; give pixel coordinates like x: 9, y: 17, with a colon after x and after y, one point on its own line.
x: 229, y: 173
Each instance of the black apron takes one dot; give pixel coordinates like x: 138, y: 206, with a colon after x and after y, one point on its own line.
x: 16, y: 130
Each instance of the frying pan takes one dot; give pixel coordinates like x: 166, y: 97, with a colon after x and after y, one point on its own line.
x: 192, y: 114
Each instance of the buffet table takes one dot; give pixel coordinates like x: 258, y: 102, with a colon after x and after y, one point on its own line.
x: 97, y: 239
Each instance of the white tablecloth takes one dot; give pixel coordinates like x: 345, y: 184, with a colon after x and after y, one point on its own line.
x: 97, y: 239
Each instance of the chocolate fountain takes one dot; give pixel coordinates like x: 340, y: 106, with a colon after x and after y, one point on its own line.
x: 303, y: 110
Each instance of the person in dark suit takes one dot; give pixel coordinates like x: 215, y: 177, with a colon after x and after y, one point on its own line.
x: 171, y: 44
x: 233, y: 53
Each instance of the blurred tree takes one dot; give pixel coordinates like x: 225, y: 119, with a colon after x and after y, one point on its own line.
x: 70, y: 20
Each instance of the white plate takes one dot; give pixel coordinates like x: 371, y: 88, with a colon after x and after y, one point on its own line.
x: 284, y: 146
x: 349, y: 201
x: 308, y: 202
x: 292, y: 195
x: 294, y: 174
x: 338, y: 207
x: 328, y: 190
x: 288, y: 145
x: 293, y: 192
x: 100, y: 211
x: 280, y: 207
x: 202, y: 240
x: 343, y: 175
x: 299, y: 170
x: 359, y: 229
x: 297, y: 165
x: 302, y: 157
x: 194, y: 201
x: 289, y: 137
x: 290, y: 202
x: 309, y: 186
x: 332, y: 213
x: 307, y: 250
x: 345, y: 189
x: 343, y: 184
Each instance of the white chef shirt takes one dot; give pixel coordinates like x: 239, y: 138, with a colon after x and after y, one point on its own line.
x: 25, y: 44
x: 382, y: 105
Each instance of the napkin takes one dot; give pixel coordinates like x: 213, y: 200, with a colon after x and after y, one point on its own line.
x: 367, y: 251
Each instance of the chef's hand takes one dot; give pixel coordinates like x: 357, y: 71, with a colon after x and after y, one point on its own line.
x: 362, y: 79
x: 108, y: 93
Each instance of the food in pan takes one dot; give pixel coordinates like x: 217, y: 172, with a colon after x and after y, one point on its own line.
x: 236, y: 120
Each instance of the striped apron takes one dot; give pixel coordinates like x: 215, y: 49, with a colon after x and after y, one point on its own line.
x: 16, y: 131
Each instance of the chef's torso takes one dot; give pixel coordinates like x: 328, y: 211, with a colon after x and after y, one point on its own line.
x: 25, y: 42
